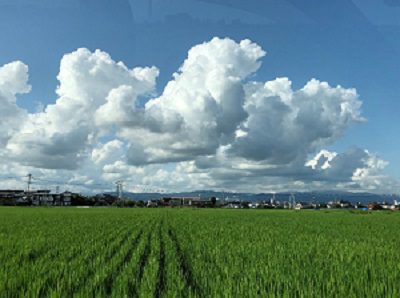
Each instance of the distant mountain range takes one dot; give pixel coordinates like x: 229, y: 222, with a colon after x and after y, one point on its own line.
x: 318, y: 196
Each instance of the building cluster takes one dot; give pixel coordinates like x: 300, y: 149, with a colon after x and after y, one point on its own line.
x: 183, y: 202
x: 335, y: 204
x: 46, y: 198
x: 42, y: 197
x: 269, y: 204
x: 343, y: 204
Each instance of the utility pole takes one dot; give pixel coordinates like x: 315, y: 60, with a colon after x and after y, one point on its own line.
x: 29, y: 181
x: 28, y: 190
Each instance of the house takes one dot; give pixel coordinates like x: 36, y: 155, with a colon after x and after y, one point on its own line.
x: 267, y: 205
x: 66, y: 198
x: 40, y: 197
x: 374, y: 206
x: 254, y: 205
x: 191, y: 201
x: 172, y: 202
x: 339, y: 204
x: 287, y: 205
x: 345, y: 204
x: 303, y: 205
x: 11, y: 197
x: 233, y: 204
x: 360, y: 205
x: 315, y: 205
x: 203, y: 203
x: 152, y: 203
x: 187, y: 202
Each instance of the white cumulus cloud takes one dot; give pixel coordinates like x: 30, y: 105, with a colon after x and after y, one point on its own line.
x: 63, y: 134
x: 212, y: 126
x: 13, y: 81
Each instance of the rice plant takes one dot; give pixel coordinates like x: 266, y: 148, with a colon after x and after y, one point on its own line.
x: 70, y: 252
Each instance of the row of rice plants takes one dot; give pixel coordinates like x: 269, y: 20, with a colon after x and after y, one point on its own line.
x: 74, y: 254
x: 257, y: 253
x: 198, y: 253
x: 26, y: 262
x: 127, y: 283
x: 175, y: 282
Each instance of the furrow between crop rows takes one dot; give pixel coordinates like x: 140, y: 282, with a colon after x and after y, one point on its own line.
x: 185, y: 266
x: 109, y: 280
x: 161, y: 276
x: 105, y: 269
x: 94, y: 260
x: 49, y: 272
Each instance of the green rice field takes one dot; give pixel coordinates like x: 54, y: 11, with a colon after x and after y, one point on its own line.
x: 110, y: 252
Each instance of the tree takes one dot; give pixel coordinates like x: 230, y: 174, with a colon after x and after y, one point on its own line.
x: 213, y: 201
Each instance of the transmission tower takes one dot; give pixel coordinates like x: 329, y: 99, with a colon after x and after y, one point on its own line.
x: 273, y: 199
x: 292, y: 200
x: 119, y: 188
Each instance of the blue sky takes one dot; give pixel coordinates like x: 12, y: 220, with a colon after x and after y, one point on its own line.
x: 354, y: 44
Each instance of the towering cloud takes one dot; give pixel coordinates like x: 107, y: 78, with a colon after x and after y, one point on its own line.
x: 211, y: 126
x: 199, y: 110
